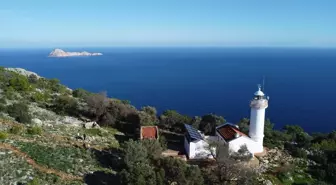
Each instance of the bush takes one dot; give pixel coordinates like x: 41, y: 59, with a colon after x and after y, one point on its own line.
x: 40, y: 97
x: 80, y: 93
x: 2, y: 108
x: 94, y: 132
x: 32, y: 79
x: 35, y: 130
x: 3, y: 135
x: 35, y: 181
x: 19, y: 83
x: 19, y: 111
x: 16, y: 129
x: 65, y: 105
x: 10, y: 93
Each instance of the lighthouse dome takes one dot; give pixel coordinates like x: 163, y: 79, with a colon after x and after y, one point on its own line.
x: 259, y: 92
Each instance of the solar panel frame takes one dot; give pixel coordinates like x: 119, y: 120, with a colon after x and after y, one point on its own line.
x: 193, y: 133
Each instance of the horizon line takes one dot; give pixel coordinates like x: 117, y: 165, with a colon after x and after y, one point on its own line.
x: 170, y: 46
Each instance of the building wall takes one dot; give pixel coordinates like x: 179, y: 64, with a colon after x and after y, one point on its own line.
x: 251, y: 145
x: 186, y: 146
x: 220, y: 138
x: 197, y: 149
x: 201, y: 150
x: 257, y: 122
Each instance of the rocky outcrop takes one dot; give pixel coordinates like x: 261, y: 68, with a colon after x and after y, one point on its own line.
x: 23, y: 72
x: 89, y: 125
x: 61, y: 53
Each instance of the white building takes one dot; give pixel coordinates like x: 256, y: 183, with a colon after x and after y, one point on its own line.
x: 196, y: 145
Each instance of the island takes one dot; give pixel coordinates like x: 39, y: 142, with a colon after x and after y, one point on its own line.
x: 62, y: 53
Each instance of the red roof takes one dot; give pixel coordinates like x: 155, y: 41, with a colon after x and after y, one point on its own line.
x: 149, y: 132
x: 228, y: 132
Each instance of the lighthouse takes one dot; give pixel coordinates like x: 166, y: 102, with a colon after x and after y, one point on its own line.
x: 258, y: 105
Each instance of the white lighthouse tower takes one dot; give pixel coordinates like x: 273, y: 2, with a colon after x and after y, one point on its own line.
x: 257, y: 119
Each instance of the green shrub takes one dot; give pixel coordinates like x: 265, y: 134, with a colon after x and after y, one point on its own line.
x: 35, y: 181
x: 80, y: 93
x: 35, y: 130
x: 94, y: 132
x: 19, y: 111
x: 32, y: 79
x: 61, y: 158
x: 19, y: 83
x: 16, y: 129
x: 3, y: 135
x: 2, y: 108
x: 10, y: 93
x: 38, y: 97
x: 65, y: 105
x: 299, y: 152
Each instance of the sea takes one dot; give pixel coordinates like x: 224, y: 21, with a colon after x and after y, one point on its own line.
x: 300, y: 82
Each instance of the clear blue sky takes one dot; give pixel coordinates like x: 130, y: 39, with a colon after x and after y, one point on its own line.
x: 55, y: 23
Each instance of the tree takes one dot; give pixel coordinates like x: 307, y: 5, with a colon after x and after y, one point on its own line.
x: 66, y: 105
x: 33, y: 79
x: 19, y: 83
x: 244, y: 125
x: 98, y: 104
x: 174, y: 121
x: 153, y: 148
x: 80, y: 93
x: 137, y: 169
x: 177, y: 171
x: 134, y: 152
x: 148, y: 116
x: 138, y: 174
x: 149, y: 110
x: 226, y: 168
x: 20, y: 112
x: 209, y: 123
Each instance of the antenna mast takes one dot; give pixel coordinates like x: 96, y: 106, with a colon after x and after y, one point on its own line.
x: 263, y: 86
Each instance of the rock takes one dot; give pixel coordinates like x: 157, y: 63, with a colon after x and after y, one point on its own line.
x: 71, y: 121
x: 89, y: 125
x: 22, y: 72
x: 61, y: 53
x: 37, y: 121
x: 268, y: 182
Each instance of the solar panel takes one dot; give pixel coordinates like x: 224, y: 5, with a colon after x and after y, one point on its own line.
x: 193, y: 133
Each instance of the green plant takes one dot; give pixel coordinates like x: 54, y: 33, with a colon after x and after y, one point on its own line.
x: 19, y: 111
x: 65, y: 105
x: 16, y: 129
x: 35, y: 181
x: 39, y: 97
x: 19, y: 83
x: 94, y: 132
x: 66, y: 159
x: 80, y: 93
x: 2, y: 108
x: 10, y: 93
x: 3, y: 135
x: 35, y: 130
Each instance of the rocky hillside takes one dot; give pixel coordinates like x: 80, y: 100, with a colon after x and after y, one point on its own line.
x: 50, y: 134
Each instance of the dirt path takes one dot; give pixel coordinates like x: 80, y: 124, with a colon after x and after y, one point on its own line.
x: 43, y: 169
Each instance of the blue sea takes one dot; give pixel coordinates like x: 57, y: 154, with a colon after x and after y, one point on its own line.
x: 301, y: 82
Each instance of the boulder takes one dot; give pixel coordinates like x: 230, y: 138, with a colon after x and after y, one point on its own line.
x: 37, y: 121
x: 89, y: 125
x: 268, y: 182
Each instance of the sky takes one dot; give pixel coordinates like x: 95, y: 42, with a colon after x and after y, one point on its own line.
x: 95, y: 23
